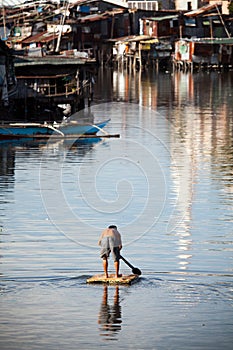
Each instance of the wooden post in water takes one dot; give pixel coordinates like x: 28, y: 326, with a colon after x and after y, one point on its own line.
x: 140, y: 55
x: 157, y: 65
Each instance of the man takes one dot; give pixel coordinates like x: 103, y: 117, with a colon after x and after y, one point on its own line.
x: 110, y: 242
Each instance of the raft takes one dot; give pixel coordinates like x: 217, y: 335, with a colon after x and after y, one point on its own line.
x: 124, y: 279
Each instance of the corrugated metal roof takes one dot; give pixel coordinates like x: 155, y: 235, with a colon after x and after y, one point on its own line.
x: 40, y: 37
x: 203, y: 9
x: 226, y: 41
x: 119, y: 3
x: 100, y: 16
x: 132, y: 38
x: 150, y: 41
x: 140, y: 38
x: 93, y: 18
x: 11, y: 2
x: 158, y: 19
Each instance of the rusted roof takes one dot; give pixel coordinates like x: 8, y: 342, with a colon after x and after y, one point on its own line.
x: 202, y: 10
x: 93, y: 18
x: 150, y: 41
x: 44, y: 37
x: 226, y: 41
x: 161, y: 18
x: 122, y: 38
x: 117, y: 3
x: 100, y: 16
x: 11, y: 2
x: 141, y: 38
x: 132, y: 38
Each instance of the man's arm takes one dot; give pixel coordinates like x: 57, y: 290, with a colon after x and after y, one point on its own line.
x: 119, y: 240
x: 101, y: 237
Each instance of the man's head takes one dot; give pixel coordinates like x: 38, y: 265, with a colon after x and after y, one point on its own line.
x: 113, y: 226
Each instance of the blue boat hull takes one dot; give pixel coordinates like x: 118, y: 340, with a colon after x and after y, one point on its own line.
x: 74, y: 128
x: 18, y: 131
x: 28, y: 130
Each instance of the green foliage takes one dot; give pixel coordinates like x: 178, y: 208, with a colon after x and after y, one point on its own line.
x: 230, y: 8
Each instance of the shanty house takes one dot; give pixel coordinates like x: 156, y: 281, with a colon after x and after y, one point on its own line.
x: 160, y: 27
x: 203, y: 52
x: 8, y: 84
x: 205, y: 22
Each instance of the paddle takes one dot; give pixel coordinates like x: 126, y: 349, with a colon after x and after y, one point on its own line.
x: 135, y: 270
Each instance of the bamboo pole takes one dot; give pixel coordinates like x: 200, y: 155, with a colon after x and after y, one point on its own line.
x: 220, y: 16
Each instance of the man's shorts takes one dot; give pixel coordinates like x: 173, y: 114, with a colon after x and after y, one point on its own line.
x: 107, y: 247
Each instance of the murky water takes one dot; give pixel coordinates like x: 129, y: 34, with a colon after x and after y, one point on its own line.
x: 167, y: 184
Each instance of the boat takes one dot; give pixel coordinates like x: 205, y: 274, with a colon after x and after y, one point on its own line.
x: 76, y: 128
x: 124, y: 279
x: 12, y: 131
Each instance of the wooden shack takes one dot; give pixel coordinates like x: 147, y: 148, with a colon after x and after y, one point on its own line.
x: 161, y: 27
x: 47, y: 83
x: 8, y: 82
x: 205, y: 52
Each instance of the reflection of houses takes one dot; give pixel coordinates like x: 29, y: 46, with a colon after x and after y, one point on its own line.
x: 200, y: 141
x: 7, y: 165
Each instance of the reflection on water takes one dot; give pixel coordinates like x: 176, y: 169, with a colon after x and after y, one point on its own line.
x: 170, y: 90
x: 185, y: 123
x: 110, y: 314
x: 198, y: 109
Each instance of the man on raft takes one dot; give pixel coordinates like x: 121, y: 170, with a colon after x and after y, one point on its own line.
x: 110, y: 242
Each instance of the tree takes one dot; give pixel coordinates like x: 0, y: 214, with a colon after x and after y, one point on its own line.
x: 230, y: 8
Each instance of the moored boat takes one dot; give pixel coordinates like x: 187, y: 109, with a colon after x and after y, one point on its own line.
x: 77, y: 128
x: 24, y: 130
x: 36, y: 130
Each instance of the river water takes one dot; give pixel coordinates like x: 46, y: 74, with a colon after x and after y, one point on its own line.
x: 166, y: 183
